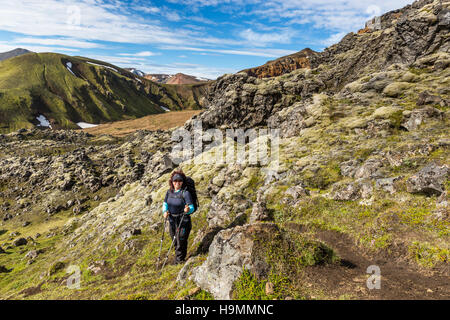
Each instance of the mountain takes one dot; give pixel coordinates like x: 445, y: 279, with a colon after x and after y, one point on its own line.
x: 355, y: 184
x: 136, y: 72
x: 160, y: 78
x: 181, y: 78
x: 68, y: 90
x: 13, y: 53
x: 283, y: 65
x: 177, y: 79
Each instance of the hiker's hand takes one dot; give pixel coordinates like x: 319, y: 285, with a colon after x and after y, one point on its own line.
x: 166, y: 214
x: 186, y: 209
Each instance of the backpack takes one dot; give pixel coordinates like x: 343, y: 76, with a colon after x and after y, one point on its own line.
x: 190, y: 186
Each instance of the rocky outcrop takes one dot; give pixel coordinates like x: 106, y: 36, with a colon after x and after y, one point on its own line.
x: 361, y: 188
x: 283, y: 65
x: 260, y: 212
x: 406, y: 37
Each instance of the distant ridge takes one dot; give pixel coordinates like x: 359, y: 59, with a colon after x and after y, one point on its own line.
x: 181, y: 78
x: 50, y: 89
x: 13, y: 53
x: 157, y: 77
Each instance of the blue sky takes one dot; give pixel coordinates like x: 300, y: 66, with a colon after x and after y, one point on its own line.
x: 205, y: 38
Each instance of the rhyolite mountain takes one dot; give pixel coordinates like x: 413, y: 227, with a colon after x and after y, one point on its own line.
x: 158, y: 77
x: 67, y: 90
x: 13, y: 53
x: 179, y: 78
x: 362, y: 180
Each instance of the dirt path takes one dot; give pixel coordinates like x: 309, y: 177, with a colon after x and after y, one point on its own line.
x: 348, y: 280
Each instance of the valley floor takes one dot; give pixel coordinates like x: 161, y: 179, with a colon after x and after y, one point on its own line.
x: 162, y: 121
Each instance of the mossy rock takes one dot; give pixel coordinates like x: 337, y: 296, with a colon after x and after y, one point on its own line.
x: 395, y: 89
x: 385, y: 112
x: 56, y: 267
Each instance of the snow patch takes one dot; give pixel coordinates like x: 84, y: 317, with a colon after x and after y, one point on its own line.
x: 165, y: 109
x: 100, y: 65
x: 137, y: 72
x: 69, y: 67
x: 85, y: 125
x: 43, y: 122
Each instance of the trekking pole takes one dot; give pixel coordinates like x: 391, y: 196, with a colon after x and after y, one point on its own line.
x: 173, y: 241
x: 162, y: 240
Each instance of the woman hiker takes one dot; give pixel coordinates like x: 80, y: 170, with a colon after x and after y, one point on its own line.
x: 178, y: 200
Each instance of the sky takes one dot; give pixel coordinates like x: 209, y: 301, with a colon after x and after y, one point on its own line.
x: 204, y: 38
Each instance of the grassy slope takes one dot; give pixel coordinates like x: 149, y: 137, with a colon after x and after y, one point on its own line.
x: 35, y: 84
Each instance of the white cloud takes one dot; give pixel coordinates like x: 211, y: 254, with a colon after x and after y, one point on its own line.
x: 172, y: 16
x: 269, y: 53
x: 140, y: 54
x: 120, y: 61
x: 88, y: 20
x: 333, y: 39
x: 262, y: 39
x: 339, y: 15
x: 59, y: 42
x: 8, y: 47
x: 147, y: 9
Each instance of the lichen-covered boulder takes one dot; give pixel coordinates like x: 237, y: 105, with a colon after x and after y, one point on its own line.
x: 429, y: 180
x: 230, y: 252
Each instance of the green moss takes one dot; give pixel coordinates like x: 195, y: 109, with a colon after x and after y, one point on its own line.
x: 138, y: 296
x: 322, y: 178
x: 202, y: 295
x: 363, y: 153
x: 418, y: 71
x: 248, y: 287
x: 428, y: 255
x: 396, y: 119
x: 56, y: 267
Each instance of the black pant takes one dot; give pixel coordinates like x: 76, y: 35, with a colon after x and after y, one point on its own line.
x: 181, y: 241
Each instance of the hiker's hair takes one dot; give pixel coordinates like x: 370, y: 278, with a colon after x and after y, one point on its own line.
x: 180, y: 172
